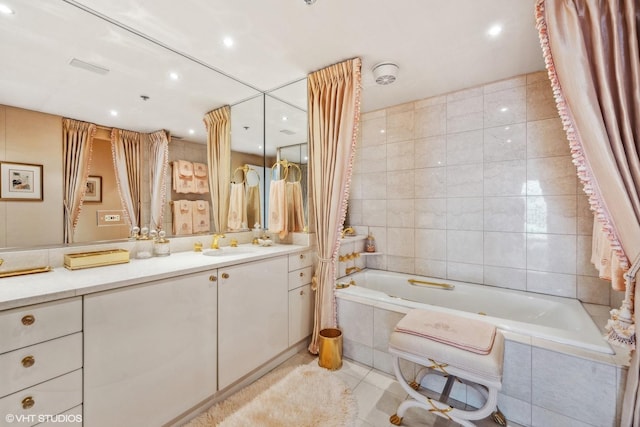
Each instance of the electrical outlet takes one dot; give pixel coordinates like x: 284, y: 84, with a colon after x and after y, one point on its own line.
x: 110, y: 217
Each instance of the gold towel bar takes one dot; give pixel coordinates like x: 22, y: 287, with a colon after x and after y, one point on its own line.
x: 434, y: 284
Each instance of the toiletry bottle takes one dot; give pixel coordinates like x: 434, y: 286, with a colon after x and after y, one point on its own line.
x: 161, y: 246
x: 370, y: 244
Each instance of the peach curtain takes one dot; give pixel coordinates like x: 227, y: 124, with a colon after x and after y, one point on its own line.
x: 77, y: 141
x: 158, y: 172
x: 591, y: 49
x: 218, y: 123
x: 334, y: 112
x: 125, y: 151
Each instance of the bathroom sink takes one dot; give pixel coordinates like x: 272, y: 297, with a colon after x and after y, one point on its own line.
x: 229, y: 251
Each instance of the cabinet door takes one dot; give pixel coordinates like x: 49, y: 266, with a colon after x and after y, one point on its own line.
x: 252, y: 317
x: 301, y: 301
x: 149, y: 351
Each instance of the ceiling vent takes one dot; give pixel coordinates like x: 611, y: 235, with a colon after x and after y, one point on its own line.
x: 385, y: 73
x: 89, y: 67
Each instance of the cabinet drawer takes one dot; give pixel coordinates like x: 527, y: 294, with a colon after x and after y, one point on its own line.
x: 50, y: 397
x: 300, y: 277
x: 32, y: 324
x: 31, y: 365
x: 300, y: 260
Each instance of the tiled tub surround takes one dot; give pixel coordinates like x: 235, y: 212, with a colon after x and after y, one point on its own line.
x: 545, y: 384
x: 477, y: 186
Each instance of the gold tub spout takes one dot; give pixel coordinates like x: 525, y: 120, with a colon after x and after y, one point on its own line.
x: 352, y: 269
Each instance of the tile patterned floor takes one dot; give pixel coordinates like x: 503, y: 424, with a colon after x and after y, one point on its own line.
x: 379, y: 394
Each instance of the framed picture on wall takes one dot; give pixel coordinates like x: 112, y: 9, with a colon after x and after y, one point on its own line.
x: 94, y: 189
x: 20, y: 181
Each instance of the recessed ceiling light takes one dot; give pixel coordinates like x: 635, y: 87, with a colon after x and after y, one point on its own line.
x: 113, y: 113
x: 495, y: 30
x: 6, y: 10
x: 228, y: 41
x: 191, y: 131
x: 174, y: 76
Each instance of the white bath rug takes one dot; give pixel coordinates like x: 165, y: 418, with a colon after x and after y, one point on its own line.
x: 303, y: 396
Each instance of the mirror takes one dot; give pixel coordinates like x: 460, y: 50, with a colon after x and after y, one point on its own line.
x: 105, y: 55
x: 267, y: 132
x: 286, y: 142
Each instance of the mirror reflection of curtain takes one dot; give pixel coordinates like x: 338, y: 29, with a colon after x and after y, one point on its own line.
x: 158, y: 164
x: 125, y: 149
x: 77, y: 142
x: 334, y: 111
x: 218, y: 125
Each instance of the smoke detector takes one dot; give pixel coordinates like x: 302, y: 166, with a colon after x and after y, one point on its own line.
x: 385, y: 73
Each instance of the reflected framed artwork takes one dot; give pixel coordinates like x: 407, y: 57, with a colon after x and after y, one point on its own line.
x: 94, y: 189
x: 21, y: 182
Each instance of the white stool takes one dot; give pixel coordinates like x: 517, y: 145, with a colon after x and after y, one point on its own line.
x: 483, y: 372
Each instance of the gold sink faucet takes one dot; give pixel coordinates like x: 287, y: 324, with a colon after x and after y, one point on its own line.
x: 214, y: 242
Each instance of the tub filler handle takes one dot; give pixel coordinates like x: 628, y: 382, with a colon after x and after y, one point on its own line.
x: 416, y: 282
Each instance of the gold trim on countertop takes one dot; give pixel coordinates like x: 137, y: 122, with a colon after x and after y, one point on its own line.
x: 23, y: 271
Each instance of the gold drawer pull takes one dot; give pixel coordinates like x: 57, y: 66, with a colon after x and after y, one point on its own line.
x: 212, y: 278
x: 225, y: 275
x: 28, y: 402
x: 28, y: 320
x: 28, y: 361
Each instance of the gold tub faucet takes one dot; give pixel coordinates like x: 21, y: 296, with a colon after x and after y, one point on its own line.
x: 349, y: 231
x: 214, y: 242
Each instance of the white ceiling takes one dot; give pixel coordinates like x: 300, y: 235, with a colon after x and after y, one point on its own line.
x: 440, y: 46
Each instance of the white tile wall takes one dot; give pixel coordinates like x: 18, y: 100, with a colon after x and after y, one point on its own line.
x: 478, y: 185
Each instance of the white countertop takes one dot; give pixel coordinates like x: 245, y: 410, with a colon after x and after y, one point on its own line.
x: 63, y: 283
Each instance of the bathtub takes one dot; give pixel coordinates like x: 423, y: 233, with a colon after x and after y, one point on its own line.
x: 557, y: 319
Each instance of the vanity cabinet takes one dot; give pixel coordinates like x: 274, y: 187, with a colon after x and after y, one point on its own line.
x: 252, y: 317
x: 301, y: 297
x: 150, y: 350
x: 41, y: 362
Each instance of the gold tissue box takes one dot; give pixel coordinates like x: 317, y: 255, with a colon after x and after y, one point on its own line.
x: 96, y: 259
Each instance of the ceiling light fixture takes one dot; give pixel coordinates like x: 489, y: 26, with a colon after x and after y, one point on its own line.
x: 385, y: 73
x: 495, y: 30
x: 6, y: 10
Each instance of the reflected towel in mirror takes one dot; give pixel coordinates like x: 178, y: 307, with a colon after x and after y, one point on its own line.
x: 201, y: 221
x: 200, y: 177
x: 278, y: 217
x: 237, y: 218
x: 182, y: 220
